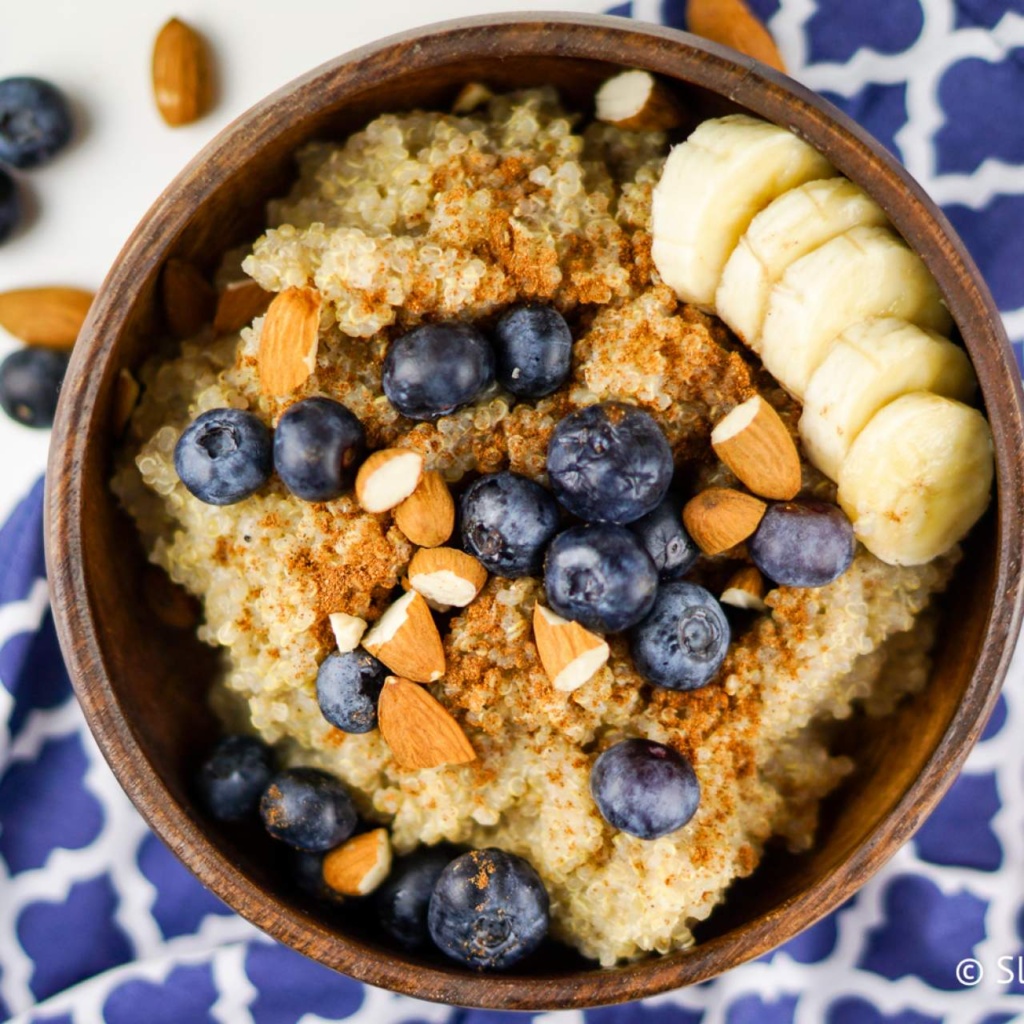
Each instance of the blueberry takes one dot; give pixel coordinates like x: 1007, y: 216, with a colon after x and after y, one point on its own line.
x: 507, y: 521
x: 308, y: 809
x: 600, y: 576
x: 683, y: 642
x: 402, y: 900
x: 30, y: 380
x: 35, y: 122
x: 347, y: 688
x: 10, y: 205
x: 307, y: 871
x: 234, y: 776
x: 489, y: 909
x: 609, y: 463
x: 434, y: 369
x: 223, y: 456
x: 317, y: 445
x: 803, y: 543
x: 644, y: 788
x: 665, y: 539
x: 532, y: 350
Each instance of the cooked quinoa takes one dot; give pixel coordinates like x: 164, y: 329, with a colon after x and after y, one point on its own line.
x: 426, y: 216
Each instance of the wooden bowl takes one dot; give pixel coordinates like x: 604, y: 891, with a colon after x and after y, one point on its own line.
x: 142, y: 684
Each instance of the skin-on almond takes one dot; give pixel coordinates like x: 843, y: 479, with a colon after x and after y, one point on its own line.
x: 418, y: 728
x: 357, y: 867
x: 754, y: 443
x: 387, y: 478
x: 434, y: 606
x: 471, y: 96
x: 290, y: 338
x: 189, y: 299
x: 405, y: 638
x: 181, y: 74
x: 637, y: 101
x: 745, y: 589
x: 569, y: 653
x: 238, y: 304
x: 427, y: 516
x: 720, y: 518
x: 732, y: 23
x: 348, y: 630
x: 51, y: 317
x: 446, y: 576
x: 126, y: 395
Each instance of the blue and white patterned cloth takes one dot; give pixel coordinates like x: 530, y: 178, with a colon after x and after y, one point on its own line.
x: 99, y: 922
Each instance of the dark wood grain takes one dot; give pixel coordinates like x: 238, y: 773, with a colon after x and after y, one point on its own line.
x: 141, y: 682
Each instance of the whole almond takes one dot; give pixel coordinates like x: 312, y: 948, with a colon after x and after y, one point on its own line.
x: 181, y: 74
x: 238, y: 304
x: 51, y: 317
x: 418, y: 729
x: 427, y: 516
x: 754, y: 443
x: 189, y: 299
x: 720, y: 518
x: 289, y: 342
x: 358, y: 866
x: 732, y: 23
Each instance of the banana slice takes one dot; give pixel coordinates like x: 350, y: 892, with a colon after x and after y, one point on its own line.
x: 789, y: 227
x: 868, y: 366
x: 709, y: 191
x: 917, y: 478
x: 863, y: 273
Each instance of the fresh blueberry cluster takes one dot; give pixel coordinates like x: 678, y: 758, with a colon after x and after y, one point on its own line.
x: 430, y: 896
x: 35, y: 125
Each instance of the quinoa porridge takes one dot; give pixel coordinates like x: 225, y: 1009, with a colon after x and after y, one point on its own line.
x: 427, y: 217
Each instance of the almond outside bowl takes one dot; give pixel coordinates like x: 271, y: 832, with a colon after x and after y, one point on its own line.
x: 142, y: 684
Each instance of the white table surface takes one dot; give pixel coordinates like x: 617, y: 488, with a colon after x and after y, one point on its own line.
x: 87, y: 202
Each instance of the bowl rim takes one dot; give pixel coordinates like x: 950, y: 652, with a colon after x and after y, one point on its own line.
x: 663, y: 51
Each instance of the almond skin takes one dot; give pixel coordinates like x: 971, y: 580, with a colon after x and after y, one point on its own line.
x: 570, y: 654
x: 405, y: 638
x: 51, y: 317
x: 359, y: 865
x: 289, y: 342
x: 720, y: 518
x: 181, y: 74
x: 427, y: 516
x: 446, y: 576
x: 418, y: 728
x: 754, y: 443
x: 189, y: 299
x: 732, y: 23
x: 238, y: 304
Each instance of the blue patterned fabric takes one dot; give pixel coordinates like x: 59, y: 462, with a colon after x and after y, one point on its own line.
x: 98, y: 922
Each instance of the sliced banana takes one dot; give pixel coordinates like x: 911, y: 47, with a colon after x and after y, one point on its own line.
x: 710, y: 189
x: 917, y: 478
x: 868, y: 366
x: 863, y: 273
x: 791, y: 226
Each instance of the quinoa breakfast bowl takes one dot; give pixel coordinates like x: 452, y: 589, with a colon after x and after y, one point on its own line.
x: 588, y: 505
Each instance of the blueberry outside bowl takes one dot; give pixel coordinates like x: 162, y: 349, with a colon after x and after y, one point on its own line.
x: 142, y: 684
